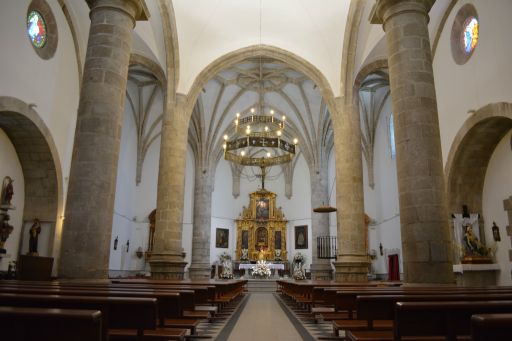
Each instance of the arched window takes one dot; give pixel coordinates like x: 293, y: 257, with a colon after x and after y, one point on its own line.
x: 392, y: 146
x: 42, y: 28
x: 470, y: 34
x: 36, y: 29
x: 465, y: 34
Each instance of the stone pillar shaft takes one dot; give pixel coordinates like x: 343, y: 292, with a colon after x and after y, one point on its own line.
x: 320, y: 268
x: 426, y: 240
x: 167, y: 259
x: 352, y: 262
x: 90, y: 199
x: 200, y: 267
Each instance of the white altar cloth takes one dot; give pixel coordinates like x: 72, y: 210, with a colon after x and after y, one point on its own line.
x: 270, y: 265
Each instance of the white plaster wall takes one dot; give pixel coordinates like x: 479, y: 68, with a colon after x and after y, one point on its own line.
x: 498, y: 187
x: 133, y: 203
x: 10, y: 166
x: 207, y: 30
x: 52, y: 85
x: 381, y: 202
x: 225, y: 208
x: 484, y: 79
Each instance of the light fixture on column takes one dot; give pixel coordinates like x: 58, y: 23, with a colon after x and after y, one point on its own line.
x: 326, y: 208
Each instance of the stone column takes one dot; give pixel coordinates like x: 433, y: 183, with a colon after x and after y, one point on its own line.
x: 92, y: 180
x: 352, y: 263
x: 320, y: 268
x: 167, y: 259
x: 425, y: 233
x: 200, y: 267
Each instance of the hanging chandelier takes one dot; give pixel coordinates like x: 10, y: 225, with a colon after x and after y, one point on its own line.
x: 265, y: 133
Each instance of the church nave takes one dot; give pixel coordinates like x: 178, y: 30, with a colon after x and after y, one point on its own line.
x: 262, y: 318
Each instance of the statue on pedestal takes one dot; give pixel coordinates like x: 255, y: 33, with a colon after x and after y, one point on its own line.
x: 7, y: 191
x: 466, y: 232
x: 35, y: 230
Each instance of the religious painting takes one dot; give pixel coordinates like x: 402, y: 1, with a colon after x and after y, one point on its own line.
x: 245, y: 239
x: 277, y: 240
x: 262, y: 208
x: 222, y: 238
x: 301, y: 237
x: 261, y: 237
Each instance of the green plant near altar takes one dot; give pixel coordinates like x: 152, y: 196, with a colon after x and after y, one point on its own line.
x: 261, y: 269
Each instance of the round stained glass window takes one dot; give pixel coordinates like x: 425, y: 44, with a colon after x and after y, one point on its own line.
x: 470, y: 34
x: 36, y: 29
x: 465, y: 34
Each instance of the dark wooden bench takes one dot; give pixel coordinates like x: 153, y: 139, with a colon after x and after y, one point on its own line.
x: 377, y: 312
x: 135, y: 316
x: 49, y: 324
x: 495, y: 327
x: 449, y: 319
x: 116, y: 312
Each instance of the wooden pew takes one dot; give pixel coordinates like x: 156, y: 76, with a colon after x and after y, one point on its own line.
x: 495, y: 327
x: 48, y: 324
x: 117, y: 312
x: 376, y: 312
x: 449, y: 319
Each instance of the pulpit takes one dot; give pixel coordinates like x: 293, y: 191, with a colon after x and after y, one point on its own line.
x: 261, y: 228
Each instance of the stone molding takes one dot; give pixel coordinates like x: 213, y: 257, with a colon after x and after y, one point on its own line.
x: 49, y: 208
x: 136, y: 9
x: 385, y: 9
x: 283, y: 56
x: 474, y: 143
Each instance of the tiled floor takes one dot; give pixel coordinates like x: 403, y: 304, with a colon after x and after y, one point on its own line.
x: 263, y: 318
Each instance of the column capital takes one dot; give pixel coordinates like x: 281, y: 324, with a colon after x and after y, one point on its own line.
x: 137, y: 9
x: 384, y: 9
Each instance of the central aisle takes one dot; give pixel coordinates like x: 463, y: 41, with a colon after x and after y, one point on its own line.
x: 263, y: 318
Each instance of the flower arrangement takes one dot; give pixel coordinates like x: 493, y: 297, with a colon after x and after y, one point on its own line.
x: 227, y: 266
x: 261, y: 269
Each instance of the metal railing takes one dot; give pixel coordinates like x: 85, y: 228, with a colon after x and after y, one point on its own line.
x: 326, y: 247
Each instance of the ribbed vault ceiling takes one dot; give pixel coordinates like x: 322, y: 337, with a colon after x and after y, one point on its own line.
x: 259, y: 83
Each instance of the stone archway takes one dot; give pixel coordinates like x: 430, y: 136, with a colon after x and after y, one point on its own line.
x: 39, y: 162
x: 256, y: 51
x: 470, y: 153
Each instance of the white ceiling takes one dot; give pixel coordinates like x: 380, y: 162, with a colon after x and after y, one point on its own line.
x: 311, y: 29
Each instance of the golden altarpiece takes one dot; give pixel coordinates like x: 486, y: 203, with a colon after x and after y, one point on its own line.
x: 261, y: 228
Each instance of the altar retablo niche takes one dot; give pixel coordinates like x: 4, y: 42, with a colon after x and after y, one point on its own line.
x: 261, y: 229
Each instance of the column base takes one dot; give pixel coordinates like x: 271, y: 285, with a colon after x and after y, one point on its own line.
x: 321, y: 271
x: 352, y: 269
x: 167, y: 266
x: 200, y: 271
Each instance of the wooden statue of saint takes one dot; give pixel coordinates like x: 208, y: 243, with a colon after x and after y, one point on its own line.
x: 34, y: 232
x: 152, y: 222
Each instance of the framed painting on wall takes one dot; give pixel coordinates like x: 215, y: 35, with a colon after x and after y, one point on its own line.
x: 301, y: 237
x: 222, y: 238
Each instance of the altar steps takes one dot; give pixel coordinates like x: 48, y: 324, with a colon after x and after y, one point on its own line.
x: 261, y: 285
